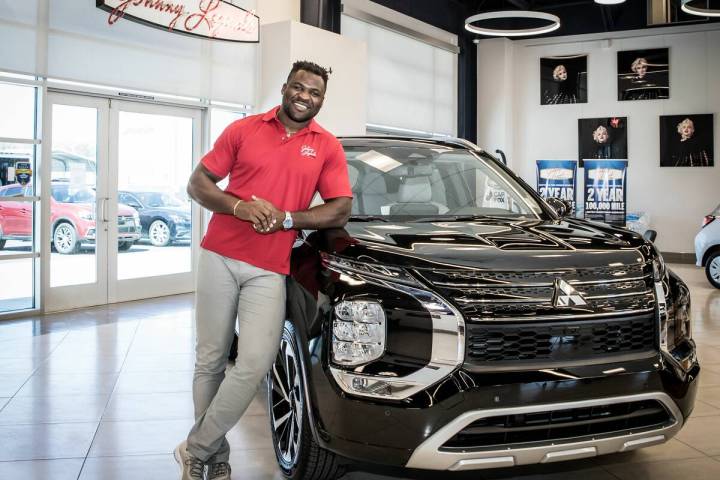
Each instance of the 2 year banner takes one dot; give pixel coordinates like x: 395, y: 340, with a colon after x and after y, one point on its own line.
x: 606, y: 191
x: 558, y: 179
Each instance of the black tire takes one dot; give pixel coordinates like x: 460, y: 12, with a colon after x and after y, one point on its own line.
x: 298, y: 455
x: 125, y: 246
x: 712, y: 269
x: 65, y: 239
x: 2, y: 244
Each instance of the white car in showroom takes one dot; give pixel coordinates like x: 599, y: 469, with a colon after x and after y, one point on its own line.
x: 707, y: 247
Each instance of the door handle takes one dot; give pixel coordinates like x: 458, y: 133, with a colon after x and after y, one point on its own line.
x: 103, y: 209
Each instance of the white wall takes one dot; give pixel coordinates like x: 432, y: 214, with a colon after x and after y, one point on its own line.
x: 509, y: 88
x: 273, y: 11
x: 344, y: 111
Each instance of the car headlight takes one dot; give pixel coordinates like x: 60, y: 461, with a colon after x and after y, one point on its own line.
x: 384, y: 272
x: 678, y: 323
x: 358, y: 332
x: 87, y: 215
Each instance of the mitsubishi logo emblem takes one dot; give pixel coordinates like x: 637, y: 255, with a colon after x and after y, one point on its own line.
x: 566, y: 296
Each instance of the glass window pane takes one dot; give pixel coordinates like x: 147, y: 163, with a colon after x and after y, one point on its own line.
x: 17, y: 284
x: 14, y: 160
x: 220, y: 119
x: 16, y: 223
x: 155, y: 161
x: 72, y: 202
x: 18, y: 104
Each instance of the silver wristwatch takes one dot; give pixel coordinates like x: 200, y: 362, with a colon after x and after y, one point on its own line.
x: 288, y: 222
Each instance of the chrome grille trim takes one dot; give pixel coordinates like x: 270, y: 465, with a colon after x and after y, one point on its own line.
x: 486, y: 295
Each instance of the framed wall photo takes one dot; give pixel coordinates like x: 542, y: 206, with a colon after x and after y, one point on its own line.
x: 563, y: 80
x: 686, y: 140
x: 602, y: 138
x: 643, y: 74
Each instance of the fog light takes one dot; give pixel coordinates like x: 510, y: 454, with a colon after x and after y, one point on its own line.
x: 358, y: 332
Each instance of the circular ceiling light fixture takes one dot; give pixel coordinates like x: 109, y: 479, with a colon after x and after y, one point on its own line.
x: 609, y: 2
x: 522, y: 32
x: 702, y: 12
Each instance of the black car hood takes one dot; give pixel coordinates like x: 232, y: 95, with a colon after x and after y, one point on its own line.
x: 492, y: 244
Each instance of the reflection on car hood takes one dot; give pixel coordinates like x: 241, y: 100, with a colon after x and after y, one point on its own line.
x: 492, y: 244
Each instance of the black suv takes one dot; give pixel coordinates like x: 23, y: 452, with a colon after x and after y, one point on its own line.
x: 460, y: 322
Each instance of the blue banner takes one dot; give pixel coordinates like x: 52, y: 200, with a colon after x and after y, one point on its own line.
x: 606, y: 191
x: 557, y: 178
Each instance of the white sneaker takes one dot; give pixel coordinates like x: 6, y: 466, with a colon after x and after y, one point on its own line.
x: 191, y: 468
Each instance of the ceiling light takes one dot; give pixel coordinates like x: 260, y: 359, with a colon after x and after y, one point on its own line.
x: 609, y: 2
x: 702, y: 12
x: 498, y: 32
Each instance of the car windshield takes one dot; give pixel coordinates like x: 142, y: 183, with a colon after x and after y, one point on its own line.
x: 432, y: 182
x: 73, y: 194
x: 157, y: 199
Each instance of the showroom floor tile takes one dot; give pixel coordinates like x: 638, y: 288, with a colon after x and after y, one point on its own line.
x: 106, y: 393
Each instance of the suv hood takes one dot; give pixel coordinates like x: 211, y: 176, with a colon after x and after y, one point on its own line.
x: 489, y: 243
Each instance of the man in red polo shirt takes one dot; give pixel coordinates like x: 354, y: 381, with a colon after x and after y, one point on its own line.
x: 276, y: 162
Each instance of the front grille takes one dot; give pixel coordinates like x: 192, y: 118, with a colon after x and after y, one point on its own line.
x: 126, y: 224
x: 516, y: 295
x: 572, y: 424
x: 502, y: 344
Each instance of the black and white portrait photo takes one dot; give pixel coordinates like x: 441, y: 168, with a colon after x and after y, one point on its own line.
x: 643, y: 74
x: 686, y: 140
x: 602, y: 138
x: 563, y: 79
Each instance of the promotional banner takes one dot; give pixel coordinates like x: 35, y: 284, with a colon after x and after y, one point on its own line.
x: 605, y: 191
x: 558, y: 179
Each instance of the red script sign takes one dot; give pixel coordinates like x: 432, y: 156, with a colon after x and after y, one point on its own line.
x: 214, y: 19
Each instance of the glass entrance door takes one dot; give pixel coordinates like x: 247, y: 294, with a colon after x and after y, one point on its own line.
x: 152, y: 155
x: 120, y: 224
x: 75, y: 218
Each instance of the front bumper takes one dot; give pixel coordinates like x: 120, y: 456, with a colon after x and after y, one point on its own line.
x: 430, y: 455
x: 409, y: 435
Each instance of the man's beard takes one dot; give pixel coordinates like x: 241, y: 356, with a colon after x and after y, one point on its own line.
x: 295, y: 118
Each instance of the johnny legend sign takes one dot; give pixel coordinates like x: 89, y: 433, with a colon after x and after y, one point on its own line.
x: 213, y: 19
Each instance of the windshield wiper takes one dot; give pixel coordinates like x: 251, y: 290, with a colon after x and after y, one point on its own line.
x: 367, y: 218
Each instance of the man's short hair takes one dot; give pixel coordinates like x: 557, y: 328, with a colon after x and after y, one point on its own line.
x: 311, y: 67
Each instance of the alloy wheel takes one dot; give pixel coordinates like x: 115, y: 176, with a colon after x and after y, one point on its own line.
x: 159, y: 233
x: 64, y: 238
x: 286, y: 408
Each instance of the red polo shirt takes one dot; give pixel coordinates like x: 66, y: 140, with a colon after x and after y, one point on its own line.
x: 262, y: 161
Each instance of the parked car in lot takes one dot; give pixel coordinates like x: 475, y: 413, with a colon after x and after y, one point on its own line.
x: 72, y: 216
x: 164, y: 217
x: 438, y: 332
x: 707, y: 247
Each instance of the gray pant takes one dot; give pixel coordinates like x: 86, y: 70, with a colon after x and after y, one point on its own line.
x: 228, y: 289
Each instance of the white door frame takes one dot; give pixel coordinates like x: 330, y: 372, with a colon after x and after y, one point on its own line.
x: 75, y: 296
x: 148, y: 287
x: 107, y: 288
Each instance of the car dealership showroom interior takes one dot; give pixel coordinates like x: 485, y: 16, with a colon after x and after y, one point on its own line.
x: 485, y: 245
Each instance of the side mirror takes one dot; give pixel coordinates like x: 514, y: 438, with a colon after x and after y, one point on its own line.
x: 561, y: 207
x: 650, y: 235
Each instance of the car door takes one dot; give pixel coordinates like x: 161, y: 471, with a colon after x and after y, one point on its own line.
x: 15, y: 217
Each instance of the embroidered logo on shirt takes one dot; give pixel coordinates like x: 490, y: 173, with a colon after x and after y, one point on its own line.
x: 307, y: 151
